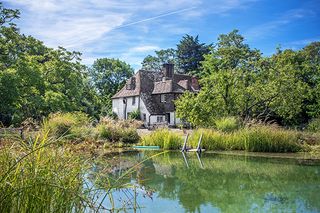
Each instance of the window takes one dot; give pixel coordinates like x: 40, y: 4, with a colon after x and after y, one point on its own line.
x: 133, y: 100
x: 159, y: 119
x: 162, y: 98
x: 144, y: 116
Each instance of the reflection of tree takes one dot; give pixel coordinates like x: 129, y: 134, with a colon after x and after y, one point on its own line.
x: 229, y: 183
x: 235, y: 183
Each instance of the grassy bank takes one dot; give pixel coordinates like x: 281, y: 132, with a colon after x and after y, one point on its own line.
x: 256, y: 138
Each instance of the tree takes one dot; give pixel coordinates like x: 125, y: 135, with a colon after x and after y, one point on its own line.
x: 240, y: 82
x: 109, y: 76
x: 190, y: 53
x: 154, y: 63
x: 36, y: 80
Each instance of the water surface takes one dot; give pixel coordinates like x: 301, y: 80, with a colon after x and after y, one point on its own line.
x: 173, y: 182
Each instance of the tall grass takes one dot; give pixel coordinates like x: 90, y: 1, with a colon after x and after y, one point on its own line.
x: 123, y: 131
x: 259, y: 138
x: 163, y: 138
x: 34, y: 178
x: 227, y: 124
x: 75, y: 125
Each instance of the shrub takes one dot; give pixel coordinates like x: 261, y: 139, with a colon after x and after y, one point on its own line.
x: 163, y: 138
x: 116, y: 133
x: 314, y: 125
x: 135, y: 115
x: 227, y: 124
x: 66, y: 124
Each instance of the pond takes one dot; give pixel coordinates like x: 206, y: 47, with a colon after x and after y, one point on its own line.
x: 177, y: 182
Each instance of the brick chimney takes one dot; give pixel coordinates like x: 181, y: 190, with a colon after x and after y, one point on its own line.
x: 168, y: 70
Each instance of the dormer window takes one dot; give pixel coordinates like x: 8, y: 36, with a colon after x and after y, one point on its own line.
x: 163, y: 98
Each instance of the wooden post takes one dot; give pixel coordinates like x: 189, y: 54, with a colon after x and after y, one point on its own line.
x: 198, y: 147
x: 184, y: 147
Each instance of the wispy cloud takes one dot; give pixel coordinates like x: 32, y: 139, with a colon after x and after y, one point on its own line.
x: 126, y: 29
x: 271, y: 27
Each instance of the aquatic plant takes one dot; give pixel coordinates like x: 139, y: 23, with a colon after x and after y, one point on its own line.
x: 35, y: 178
x: 258, y: 138
x: 163, y: 138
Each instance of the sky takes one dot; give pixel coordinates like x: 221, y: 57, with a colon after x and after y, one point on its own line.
x: 132, y: 29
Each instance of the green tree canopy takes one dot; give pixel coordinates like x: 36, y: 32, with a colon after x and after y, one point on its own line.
x: 109, y: 76
x: 154, y: 63
x: 190, y: 53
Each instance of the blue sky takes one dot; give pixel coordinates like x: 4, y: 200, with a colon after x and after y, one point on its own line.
x: 131, y: 29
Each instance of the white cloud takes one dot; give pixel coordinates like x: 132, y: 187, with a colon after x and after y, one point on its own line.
x: 144, y: 48
x: 126, y: 29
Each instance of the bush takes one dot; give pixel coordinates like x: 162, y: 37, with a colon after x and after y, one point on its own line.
x: 314, y: 125
x: 135, y: 115
x: 71, y: 125
x: 163, y: 138
x: 116, y: 133
x: 227, y: 124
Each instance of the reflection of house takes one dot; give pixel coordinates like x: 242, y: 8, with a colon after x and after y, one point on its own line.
x: 153, y: 94
x: 164, y: 170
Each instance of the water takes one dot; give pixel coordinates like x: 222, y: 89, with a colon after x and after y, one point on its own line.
x: 172, y: 182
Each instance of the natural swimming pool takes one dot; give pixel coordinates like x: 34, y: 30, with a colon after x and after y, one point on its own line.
x: 176, y: 182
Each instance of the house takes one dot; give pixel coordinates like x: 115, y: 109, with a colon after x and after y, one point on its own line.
x: 153, y: 94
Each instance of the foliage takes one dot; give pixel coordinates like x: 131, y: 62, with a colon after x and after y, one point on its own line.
x: 75, y: 125
x: 108, y: 77
x: 41, y: 179
x: 190, y: 52
x: 135, y: 115
x: 238, y: 81
x: 154, y: 63
x: 118, y: 131
x: 36, y: 80
x: 227, y: 124
x: 314, y: 125
x: 163, y: 138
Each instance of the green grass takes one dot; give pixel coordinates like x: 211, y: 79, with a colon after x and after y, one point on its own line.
x: 227, y: 124
x: 257, y: 138
x: 73, y: 126
x: 163, y: 138
x: 35, y: 178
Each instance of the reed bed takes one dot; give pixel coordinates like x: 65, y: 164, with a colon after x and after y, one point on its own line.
x: 163, y: 138
x: 256, y: 138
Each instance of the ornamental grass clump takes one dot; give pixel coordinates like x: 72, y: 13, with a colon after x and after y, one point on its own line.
x: 227, y: 124
x: 116, y: 133
x: 74, y: 126
x: 163, y: 138
x: 36, y: 178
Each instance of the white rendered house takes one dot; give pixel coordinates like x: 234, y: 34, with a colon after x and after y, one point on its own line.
x: 153, y: 94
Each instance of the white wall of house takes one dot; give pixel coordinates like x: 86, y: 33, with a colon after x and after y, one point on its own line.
x: 118, y: 107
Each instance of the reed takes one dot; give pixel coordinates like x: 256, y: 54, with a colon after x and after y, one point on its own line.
x: 259, y: 138
x: 36, y: 178
x: 163, y: 138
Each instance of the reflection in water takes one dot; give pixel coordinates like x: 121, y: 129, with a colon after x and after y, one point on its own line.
x: 216, y: 183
